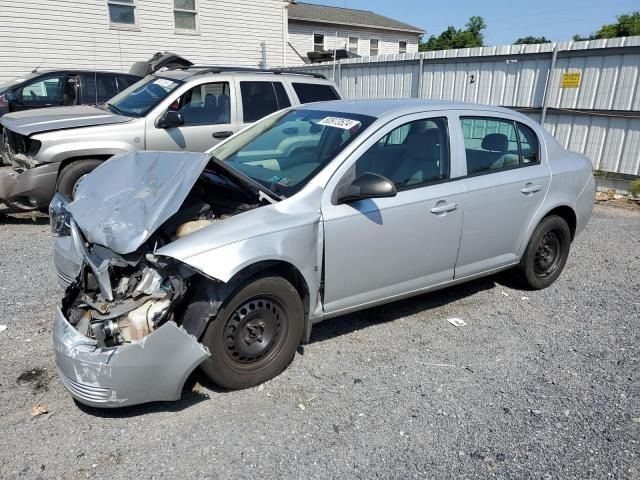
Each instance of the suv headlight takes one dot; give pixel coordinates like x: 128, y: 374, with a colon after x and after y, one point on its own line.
x: 59, y: 217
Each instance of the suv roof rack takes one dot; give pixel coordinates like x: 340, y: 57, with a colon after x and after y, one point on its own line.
x: 204, y: 69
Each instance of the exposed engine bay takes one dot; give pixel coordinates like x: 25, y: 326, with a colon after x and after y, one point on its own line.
x: 122, y: 298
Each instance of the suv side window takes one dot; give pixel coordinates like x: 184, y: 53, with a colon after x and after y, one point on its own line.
x: 259, y: 99
x: 206, y: 104
x: 313, y: 92
x: 46, y: 91
x: 97, y: 88
x: 494, y: 144
x: 411, y: 155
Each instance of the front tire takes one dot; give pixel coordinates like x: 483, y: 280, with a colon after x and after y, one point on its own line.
x: 546, y: 254
x: 255, y: 334
x: 72, y: 174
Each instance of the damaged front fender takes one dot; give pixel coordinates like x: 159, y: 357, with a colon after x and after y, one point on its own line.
x: 152, y: 369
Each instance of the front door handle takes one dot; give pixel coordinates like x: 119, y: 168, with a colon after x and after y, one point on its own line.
x: 221, y: 135
x: 530, y: 189
x: 443, y: 208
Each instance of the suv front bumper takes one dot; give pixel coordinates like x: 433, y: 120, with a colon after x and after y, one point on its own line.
x: 153, y: 369
x: 31, y: 188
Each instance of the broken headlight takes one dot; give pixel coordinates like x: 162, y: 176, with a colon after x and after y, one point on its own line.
x: 59, y: 217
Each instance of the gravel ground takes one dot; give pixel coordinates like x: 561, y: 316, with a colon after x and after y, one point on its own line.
x: 537, y: 385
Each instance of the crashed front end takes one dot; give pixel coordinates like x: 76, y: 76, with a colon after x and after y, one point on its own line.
x: 119, y: 345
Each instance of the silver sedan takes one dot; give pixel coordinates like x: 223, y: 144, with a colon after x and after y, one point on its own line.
x: 226, y: 259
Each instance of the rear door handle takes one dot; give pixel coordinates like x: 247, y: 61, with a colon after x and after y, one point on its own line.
x: 444, y: 208
x: 221, y: 135
x: 530, y: 188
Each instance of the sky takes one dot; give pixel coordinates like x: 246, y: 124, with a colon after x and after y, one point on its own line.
x: 507, y: 20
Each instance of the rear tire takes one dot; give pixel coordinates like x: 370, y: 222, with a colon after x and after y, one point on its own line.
x: 71, y: 175
x: 255, y: 334
x: 546, y: 254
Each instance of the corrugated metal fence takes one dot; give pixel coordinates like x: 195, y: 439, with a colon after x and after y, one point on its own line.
x: 596, y: 113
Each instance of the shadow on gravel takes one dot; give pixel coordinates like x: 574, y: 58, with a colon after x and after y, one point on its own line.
x: 346, y: 324
x: 24, y: 219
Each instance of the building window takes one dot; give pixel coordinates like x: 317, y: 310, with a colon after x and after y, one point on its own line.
x: 185, y: 15
x: 122, y: 12
x: 374, y: 44
x: 402, y: 47
x: 318, y: 42
x: 353, y: 44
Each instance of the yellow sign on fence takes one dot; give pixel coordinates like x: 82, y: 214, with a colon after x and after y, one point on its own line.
x: 570, y: 80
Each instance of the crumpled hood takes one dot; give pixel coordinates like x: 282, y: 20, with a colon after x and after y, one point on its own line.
x: 123, y: 201
x: 41, y: 120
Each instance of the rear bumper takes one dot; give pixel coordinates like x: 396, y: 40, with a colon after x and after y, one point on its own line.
x: 153, y: 369
x: 33, y: 187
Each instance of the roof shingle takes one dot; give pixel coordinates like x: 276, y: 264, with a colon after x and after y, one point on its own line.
x: 346, y: 16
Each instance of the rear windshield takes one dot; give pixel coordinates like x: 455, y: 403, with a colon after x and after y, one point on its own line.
x: 313, y: 92
x: 141, y: 97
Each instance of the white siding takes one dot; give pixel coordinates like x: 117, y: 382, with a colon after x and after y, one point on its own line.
x: 301, y: 38
x: 66, y: 34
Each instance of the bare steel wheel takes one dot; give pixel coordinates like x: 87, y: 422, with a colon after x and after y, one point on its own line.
x: 255, y: 334
x: 546, y: 253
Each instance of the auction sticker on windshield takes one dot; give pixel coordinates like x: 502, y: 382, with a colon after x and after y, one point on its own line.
x: 344, y: 123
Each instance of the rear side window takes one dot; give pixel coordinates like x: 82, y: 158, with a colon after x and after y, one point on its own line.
x: 490, y: 144
x: 125, y: 82
x: 529, y: 146
x: 313, y: 92
x: 260, y: 99
x: 97, y: 88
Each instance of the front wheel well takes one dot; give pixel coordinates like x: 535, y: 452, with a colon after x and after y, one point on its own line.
x: 568, y: 214
x: 69, y: 161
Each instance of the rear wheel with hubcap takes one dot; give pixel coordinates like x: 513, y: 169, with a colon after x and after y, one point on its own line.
x: 546, y: 253
x: 255, y: 334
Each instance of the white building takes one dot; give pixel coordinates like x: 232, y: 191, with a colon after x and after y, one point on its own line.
x: 113, y: 34
x: 318, y: 27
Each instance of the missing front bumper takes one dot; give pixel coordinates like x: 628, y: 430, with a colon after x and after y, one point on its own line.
x: 153, y: 369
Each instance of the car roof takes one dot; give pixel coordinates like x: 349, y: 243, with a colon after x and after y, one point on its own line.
x: 200, y: 71
x: 400, y: 106
x: 82, y: 70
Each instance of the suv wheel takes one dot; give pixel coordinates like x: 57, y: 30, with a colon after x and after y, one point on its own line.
x: 546, y: 253
x: 255, y: 335
x: 72, y: 174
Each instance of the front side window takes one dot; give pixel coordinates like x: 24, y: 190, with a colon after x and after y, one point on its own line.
x: 285, y: 151
x: 374, y: 44
x: 141, y: 97
x: 48, y: 90
x: 412, y: 155
x: 207, y: 104
x: 318, y: 42
x: 313, y: 92
x: 122, y: 12
x: 402, y: 47
x: 493, y: 144
x: 97, y: 88
x: 260, y: 99
x: 353, y: 44
x: 185, y: 15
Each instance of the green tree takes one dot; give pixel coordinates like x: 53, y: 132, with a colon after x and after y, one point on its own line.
x: 626, y: 26
x: 471, y: 36
x: 531, y: 40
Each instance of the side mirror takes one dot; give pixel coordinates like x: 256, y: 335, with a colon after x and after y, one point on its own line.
x: 367, y: 185
x: 170, y: 119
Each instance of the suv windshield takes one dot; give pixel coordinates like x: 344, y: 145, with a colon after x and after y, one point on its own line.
x: 142, y: 96
x: 12, y: 83
x: 285, y: 151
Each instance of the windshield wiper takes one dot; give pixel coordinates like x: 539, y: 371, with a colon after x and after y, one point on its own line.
x: 263, y: 192
x: 115, y: 109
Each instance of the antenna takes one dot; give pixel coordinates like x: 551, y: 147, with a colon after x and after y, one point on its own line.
x: 35, y: 70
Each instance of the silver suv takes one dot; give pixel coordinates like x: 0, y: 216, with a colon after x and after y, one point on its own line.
x: 190, y: 109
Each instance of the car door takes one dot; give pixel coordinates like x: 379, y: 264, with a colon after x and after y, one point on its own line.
x: 46, y: 91
x: 96, y: 88
x: 380, y: 248
x: 507, y: 180
x: 208, y: 116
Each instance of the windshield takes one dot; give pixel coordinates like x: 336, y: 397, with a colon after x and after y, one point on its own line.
x: 284, y: 152
x: 16, y: 81
x: 142, y: 96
